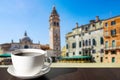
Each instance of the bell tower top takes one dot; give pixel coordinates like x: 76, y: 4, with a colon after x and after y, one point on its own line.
x: 54, y: 12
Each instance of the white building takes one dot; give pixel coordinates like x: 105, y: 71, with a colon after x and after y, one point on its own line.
x: 86, y: 41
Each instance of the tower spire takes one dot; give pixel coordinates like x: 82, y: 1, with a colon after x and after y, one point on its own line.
x: 54, y: 12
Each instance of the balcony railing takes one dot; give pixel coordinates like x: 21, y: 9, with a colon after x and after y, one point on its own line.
x: 112, y: 48
x: 113, y: 35
x: 88, y: 47
x: 106, y: 35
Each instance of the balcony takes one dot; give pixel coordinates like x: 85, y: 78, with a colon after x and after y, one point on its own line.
x: 113, y: 35
x: 87, y: 47
x: 106, y: 35
x: 112, y: 48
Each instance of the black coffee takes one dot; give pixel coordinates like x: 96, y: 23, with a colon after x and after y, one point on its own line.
x: 27, y: 54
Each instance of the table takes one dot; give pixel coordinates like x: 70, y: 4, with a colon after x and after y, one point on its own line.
x: 72, y: 74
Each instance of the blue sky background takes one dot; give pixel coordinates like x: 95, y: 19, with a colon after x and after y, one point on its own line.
x: 18, y: 16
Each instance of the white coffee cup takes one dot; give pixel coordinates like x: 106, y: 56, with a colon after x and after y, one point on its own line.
x: 28, y: 62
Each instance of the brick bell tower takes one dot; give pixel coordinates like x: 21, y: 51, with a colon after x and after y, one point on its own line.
x: 54, y: 31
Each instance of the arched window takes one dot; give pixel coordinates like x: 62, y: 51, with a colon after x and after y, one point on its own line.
x: 94, y: 42
x: 83, y: 43
x: 74, y: 45
x: 86, y: 42
x: 80, y: 44
x: 113, y: 43
x: 106, y: 44
x: 89, y: 42
x: 57, y: 24
x: 54, y: 23
x: 101, y: 40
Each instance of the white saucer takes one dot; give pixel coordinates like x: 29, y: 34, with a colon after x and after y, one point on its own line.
x: 11, y: 71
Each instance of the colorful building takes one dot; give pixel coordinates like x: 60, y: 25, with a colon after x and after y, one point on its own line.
x: 112, y: 40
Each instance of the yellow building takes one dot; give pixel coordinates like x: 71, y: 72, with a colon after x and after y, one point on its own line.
x: 63, y: 51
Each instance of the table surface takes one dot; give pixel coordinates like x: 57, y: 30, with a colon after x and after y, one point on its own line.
x: 72, y: 74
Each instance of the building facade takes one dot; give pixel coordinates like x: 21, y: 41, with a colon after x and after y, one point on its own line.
x: 86, y: 41
x: 112, y: 40
x: 54, y: 31
x: 23, y: 43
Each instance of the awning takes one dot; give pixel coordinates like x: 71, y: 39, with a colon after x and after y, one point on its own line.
x: 77, y: 57
x: 5, y: 55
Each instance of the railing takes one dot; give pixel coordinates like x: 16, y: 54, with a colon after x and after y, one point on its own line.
x: 113, y: 35
x: 88, y: 47
x: 106, y: 35
x: 112, y: 48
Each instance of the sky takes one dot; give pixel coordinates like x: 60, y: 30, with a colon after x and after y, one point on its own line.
x: 18, y: 16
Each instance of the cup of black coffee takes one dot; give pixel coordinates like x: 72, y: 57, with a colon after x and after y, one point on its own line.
x: 29, y: 62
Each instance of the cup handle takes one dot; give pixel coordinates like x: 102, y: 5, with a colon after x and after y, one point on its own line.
x: 47, y: 66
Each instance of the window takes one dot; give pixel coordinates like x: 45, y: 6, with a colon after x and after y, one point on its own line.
x: 89, y: 42
x: 67, y: 54
x: 93, y: 51
x: 66, y: 46
x: 106, y: 44
x: 73, y: 53
x: 101, y: 40
x: 113, y: 32
x: 113, y: 52
x: 86, y: 42
x: 84, y: 54
x: 79, y: 52
x: 73, y: 45
x: 57, y: 24
x: 106, y: 52
x: 106, y: 57
x: 113, y: 22
x: 102, y: 51
x: 86, y: 29
x: 106, y: 24
x: 93, y: 25
x: 113, y: 43
x: 101, y: 59
x: 83, y: 43
x: 54, y: 24
x: 94, y: 42
x: 113, y: 59
x: 80, y: 44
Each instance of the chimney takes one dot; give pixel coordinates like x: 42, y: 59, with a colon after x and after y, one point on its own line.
x: 76, y: 24
x: 97, y: 19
